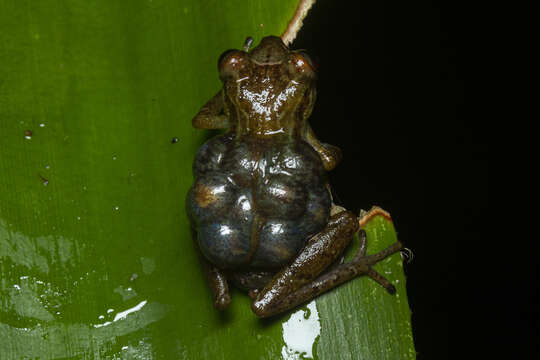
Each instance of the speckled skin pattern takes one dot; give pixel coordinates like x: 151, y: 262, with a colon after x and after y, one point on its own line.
x: 256, y: 202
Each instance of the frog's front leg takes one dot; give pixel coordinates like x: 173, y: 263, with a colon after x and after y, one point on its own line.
x: 212, y: 115
x: 330, y: 154
x: 298, y: 283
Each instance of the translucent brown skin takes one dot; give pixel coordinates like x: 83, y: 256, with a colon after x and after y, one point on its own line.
x: 260, y: 202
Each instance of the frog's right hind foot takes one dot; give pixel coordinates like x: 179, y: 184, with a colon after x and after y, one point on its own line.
x: 362, y: 264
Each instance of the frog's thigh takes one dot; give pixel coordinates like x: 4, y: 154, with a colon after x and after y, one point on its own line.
x: 321, y: 251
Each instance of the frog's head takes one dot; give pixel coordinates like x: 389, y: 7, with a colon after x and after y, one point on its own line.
x: 268, y: 83
x: 271, y: 51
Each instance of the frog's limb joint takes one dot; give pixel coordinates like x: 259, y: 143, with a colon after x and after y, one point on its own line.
x: 211, y: 115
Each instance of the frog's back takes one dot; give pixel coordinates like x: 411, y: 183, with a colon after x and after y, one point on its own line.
x: 254, y: 202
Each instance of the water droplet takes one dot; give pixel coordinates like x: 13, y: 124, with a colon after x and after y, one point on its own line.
x: 114, y: 157
x: 44, y: 181
x: 300, y: 334
x: 79, y: 218
x: 109, y: 311
x: 47, y: 167
x: 101, y: 317
x: 42, y: 125
x: 116, y: 208
x: 28, y: 134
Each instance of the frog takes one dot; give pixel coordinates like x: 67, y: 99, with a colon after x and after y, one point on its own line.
x: 261, y: 205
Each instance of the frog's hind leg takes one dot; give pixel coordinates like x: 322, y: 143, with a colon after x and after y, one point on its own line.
x: 302, y: 280
x: 217, y: 282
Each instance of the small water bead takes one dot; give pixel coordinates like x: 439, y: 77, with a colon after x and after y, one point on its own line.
x: 44, y: 181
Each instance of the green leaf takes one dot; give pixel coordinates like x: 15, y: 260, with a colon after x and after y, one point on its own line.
x: 96, y: 256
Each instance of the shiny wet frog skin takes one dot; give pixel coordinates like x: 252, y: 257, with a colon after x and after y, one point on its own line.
x: 261, y: 204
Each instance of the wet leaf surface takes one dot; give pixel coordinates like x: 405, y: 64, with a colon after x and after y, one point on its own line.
x: 96, y: 256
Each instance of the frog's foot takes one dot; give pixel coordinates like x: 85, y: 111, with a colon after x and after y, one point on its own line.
x: 362, y: 264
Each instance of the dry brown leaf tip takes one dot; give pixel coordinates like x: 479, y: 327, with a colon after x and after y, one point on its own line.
x: 295, y: 24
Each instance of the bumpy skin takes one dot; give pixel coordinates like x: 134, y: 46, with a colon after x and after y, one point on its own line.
x: 260, y: 202
x: 256, y: 202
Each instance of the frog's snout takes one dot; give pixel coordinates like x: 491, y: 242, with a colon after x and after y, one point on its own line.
x: 270, y: 51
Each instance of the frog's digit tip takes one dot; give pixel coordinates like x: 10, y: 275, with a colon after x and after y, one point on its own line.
x: 248, y: 43
x: 222, y: 302
x: 391, y: 289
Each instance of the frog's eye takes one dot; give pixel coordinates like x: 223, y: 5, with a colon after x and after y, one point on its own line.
x: 302, y: 64
x: 230, y: 62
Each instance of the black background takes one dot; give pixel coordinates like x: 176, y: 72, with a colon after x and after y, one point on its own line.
x: 395, y: 93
